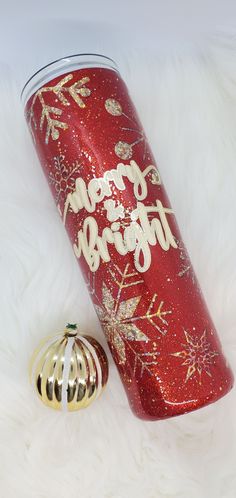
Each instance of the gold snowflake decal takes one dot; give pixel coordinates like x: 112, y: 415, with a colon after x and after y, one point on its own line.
x: 52, y: 114
x: 116, y: 318
x: 157, y: 316
x: 197, y: 355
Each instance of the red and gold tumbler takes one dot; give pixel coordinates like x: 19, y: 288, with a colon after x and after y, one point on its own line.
x: 110, y: 196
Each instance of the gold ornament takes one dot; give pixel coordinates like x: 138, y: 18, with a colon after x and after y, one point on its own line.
x: 69, y: 371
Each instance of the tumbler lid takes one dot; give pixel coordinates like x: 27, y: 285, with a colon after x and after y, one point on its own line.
x: 62, y: 65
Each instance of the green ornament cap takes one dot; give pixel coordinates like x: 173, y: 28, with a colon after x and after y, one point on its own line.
x: 71, y: 329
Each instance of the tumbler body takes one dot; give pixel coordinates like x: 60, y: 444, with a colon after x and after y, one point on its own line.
x: 110, y: 196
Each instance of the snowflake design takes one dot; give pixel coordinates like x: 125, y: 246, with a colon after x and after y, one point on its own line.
x: 118, y: 318
x: 124, y: 279
x: 51, y: 114
x: 160, y: 314
x: 197, y: 355
x: 62, y: 178
x: 144, y: 361
x: 156, y: 316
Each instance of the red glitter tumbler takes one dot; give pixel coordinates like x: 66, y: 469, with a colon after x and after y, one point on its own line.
x: 110, y: 196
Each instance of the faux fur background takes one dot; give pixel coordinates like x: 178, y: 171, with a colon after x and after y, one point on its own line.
x: 188, y: 107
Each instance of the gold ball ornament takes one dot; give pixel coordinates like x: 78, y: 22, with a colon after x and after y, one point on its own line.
x: 69, y: 371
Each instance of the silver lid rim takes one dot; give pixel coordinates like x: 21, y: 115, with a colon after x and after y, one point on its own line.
x: 61, y: 66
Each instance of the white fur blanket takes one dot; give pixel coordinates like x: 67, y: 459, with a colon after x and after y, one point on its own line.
x: 188, y: 108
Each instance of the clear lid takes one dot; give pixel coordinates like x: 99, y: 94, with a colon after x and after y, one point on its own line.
x: 60, y: 66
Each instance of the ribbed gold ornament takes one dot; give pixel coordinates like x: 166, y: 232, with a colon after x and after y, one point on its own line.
x: 69, y: 370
